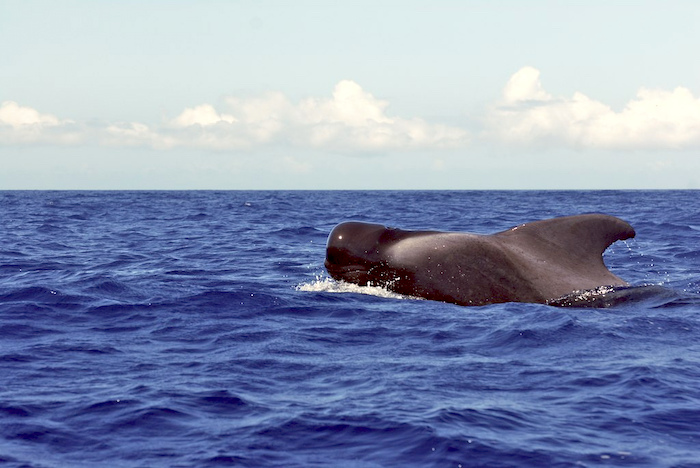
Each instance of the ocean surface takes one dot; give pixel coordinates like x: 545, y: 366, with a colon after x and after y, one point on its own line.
x: 200, y: 329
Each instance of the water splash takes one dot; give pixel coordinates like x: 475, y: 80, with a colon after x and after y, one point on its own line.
x: 323, y: 283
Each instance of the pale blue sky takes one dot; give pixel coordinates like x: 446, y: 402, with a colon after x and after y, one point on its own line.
x: 362, y: 94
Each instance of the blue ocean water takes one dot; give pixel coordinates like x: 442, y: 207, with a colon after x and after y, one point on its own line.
x: 198, y: 329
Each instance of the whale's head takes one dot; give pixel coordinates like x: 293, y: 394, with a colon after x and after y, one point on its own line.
x: 356, y: 252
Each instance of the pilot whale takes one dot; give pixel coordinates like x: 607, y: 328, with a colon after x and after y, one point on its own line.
x: 538, y: 262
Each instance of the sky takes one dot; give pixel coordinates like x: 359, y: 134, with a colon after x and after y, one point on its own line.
x: 349, y: 94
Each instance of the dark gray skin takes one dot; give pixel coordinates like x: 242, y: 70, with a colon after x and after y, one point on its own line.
x: 537, y: 262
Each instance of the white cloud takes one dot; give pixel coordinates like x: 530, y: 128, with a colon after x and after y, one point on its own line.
x: 654, y: 119
x: 201, y: 115
x: 248, y: 123
x: 354, y: 119
x: 17, y: 116
x: 525, y: 86
x: 133, y: 134
x: 21, y: 125
x: 351, y: 120
x: 350, y: 105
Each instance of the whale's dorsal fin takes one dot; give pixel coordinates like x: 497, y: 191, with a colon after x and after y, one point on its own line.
x: 587, y: 234
x: 573, y: 246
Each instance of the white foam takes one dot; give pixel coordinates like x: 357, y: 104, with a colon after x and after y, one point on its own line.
x: 326, y: 284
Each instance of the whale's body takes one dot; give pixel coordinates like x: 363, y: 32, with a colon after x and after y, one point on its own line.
x: 537, y: 262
